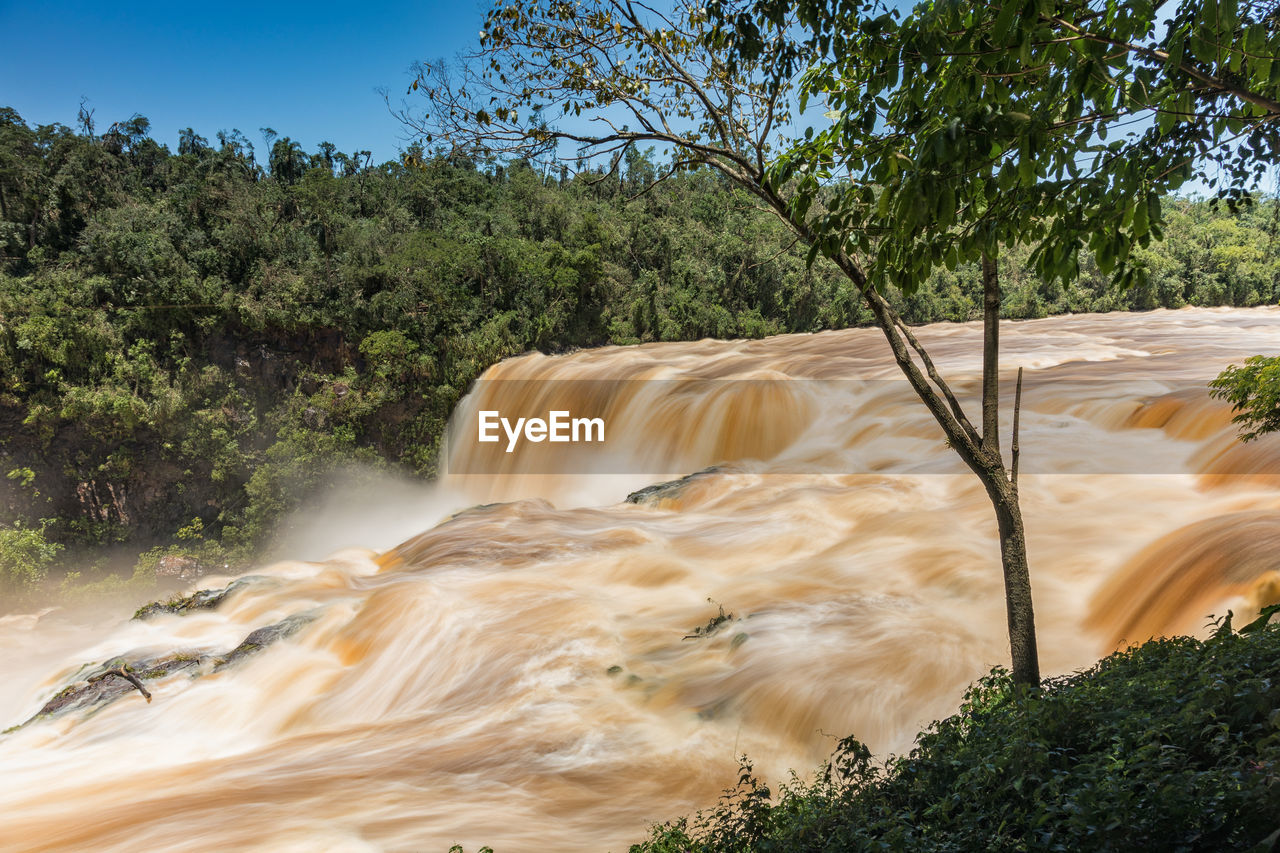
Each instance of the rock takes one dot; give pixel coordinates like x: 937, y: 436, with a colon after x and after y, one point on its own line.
x: 265, y: 637
x: 652, y: 495
x: 181, y: 566
x: 204, y: 599
x: 99, y: 686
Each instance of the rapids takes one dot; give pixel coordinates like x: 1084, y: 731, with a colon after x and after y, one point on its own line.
x: 542, y: 671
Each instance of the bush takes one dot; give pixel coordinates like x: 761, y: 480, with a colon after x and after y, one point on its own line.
x: 25, y: 556
x: 1174, y: 745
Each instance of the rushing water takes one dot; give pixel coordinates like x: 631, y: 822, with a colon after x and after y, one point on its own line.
x: 528, y: 673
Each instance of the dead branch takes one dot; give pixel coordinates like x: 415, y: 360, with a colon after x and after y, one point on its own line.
x: 131, y: 678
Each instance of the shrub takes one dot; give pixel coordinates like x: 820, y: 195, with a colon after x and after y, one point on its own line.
x: 25, y: 556
x: 1174, y: 745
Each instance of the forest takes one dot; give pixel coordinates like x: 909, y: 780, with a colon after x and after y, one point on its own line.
x: 193, y: 343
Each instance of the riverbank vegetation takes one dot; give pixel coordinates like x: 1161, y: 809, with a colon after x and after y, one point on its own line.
x: 192, y: 342
x: 1173, y: 745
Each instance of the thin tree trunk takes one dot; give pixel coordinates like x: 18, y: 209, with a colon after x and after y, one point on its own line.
x: 991, y: 471
x: 990, y: 357
x: 1017, y: 580
x: 1003, y: 489
x: 1013, y: 452
x: 965, y: 441
x: 988, y: 466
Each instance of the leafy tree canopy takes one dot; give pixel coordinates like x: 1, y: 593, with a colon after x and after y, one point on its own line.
x: 963, y: 127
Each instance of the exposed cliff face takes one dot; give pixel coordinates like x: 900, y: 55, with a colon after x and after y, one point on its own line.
x: 69, y: 478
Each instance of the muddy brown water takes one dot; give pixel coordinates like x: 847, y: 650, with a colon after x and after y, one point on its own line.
x: 528, y: 675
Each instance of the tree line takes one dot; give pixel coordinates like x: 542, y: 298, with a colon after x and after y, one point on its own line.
x: 191, y: 342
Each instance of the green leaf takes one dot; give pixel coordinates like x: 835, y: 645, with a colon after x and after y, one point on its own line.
x: 1264, y: 616
x: 1228, y: 19
x: 946, y: 206
x: 801, y: 205
x: 1176, y: 48
x: 1140, y: 213
x: 1262, y: 69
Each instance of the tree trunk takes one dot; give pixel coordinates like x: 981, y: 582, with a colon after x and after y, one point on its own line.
x: 1002, y: 488
x: 965, y: 440
x: 1017, y: 578
x: 990, y: 356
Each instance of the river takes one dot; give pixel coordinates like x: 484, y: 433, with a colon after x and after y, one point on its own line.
x: 517, y: 656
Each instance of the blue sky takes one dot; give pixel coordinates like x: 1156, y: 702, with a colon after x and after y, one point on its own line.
x: 310, y: 71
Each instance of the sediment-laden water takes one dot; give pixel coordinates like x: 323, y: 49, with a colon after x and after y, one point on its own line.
x: 548, y: 670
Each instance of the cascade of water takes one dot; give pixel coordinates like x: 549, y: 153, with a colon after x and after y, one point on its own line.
x: 546, y: 671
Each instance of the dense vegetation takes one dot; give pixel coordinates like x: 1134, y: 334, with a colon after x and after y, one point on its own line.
x: 192, y: 342
x: 1174, y: 745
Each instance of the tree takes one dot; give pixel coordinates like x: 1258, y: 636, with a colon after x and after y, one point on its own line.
x: 190, y: 142
x: 716, y: 93
x: 288, y: 162
x: 25, y: 556
x: 1253, y: 390
x: 1203, y: 81
x: 956, y: 130
x: 966, y: 127
x: 324, y: 157
x: 236, y: 146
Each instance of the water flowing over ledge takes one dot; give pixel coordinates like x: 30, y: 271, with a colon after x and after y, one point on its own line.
x: 547, y: 664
